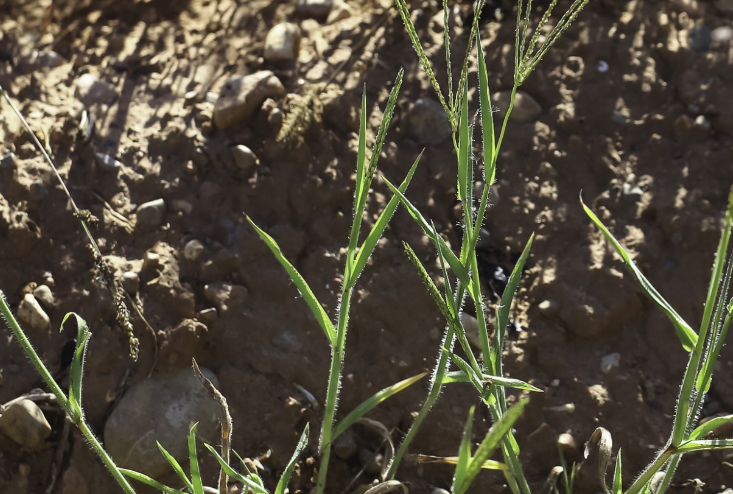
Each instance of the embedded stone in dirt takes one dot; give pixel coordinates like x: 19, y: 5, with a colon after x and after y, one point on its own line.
x: 241, y: 96
x: 427, y: 122
x: 24, y: 423
x: 345, y: 445
x: 30, y: 312
x: 50, y: 59
x: 339, y: 11
x: 225, y: 296
x: 610, y: 362
x: 91, y: 91
x: 151, y: 214
x: 161, y: 410
x: 314, y: 8
x: 7, y: 161
x: 526, y: 109
x: 37, y: 190
x: 193, y: 250
x: 43, y: 294
x: 130, y: 282
x: 244, y: 157
x: 282, y: 42
x: 107, y: 162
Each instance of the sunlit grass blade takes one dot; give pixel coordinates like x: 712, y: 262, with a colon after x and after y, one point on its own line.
x: 502, y: 314
x: 451, y: 258
x: 704, y: 429
x: 198, y: 486
x: 705, y: 377
x: 176, y: 467
x: 446, y: 42
x: 282, y: 484
x: 463, y: 81
x: 490, y: 443
x: 464, y: 450
x: 149, y: 481
x: 422, y: 57
x: 685, y: 333
x: 473, y: 376
x: 464, y: 142
x: 447, y: 288
x: 705, y: 445
x: 487, y: 116
x: 300, y: 284
x: 250, y: 475
x: 617, y: 481
x: 452, y: 460
x: 77, y: 364
x: 507, y: 382
x: 443, y: 305
x: 367, y: 405
x: 360, y: 190
x: 236, y: 475
x: 370, y: 242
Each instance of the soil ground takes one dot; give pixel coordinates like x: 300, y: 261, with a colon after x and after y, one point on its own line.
x: 628, y: 99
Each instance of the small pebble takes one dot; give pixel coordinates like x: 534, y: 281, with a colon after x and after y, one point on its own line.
x: 286, y: 341
x: 631, y: 192
x: 610, y: 362
x: 339, y: 11
x: 555, y: 383
x: 242, y: 96
x: 24, y: 423
x: 244, y: 157
x: 130, y: 282
x: 526, y: 109
x: 107, y: 162
x: 438, y: 490
x: 428, y: 123
x: 602, y: 66
x: 7, y: 161
x: 38, y: 191
x: 345, y: 445
x: 30, y: 312
x: 282, y: 42
x: 549, y: 307
x: 50, y: 59
x: 700, y: 38
x: 318, y: 9
x: 193, y: 250
x: 566, y: 408
x: 470, y: 324
x: 722, y: 34
x: 151, y: 214
x: 151, y: 261
x: 91, y: 91
x: 181, y: 206
x: 44, y: 295
x: 208, y: 315
x: 566, y: 442
x: 372, y: 462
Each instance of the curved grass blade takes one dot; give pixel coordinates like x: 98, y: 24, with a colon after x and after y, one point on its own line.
x: 452, y: 460
x: 252, y: 476
x: 373, y: 401
x: 445, y: 308
x: 198, y: 486
x: 361, y: 156
x: 176, y: 467
x: 685, y: 333
x: 704, y: 429
x: 600, y: 442
x: 370, y: 242
x: 464, y: 450
x: 465, y: 187
x: 705, y: 445
x: 617, y: 482
x: 473, y: 376
x: 487, y: 116
x: 77, y: 364
x: 282, y: 484
x: 236, y: 475
x: 149, y: 481
x: 507, y: 382
x: 490, y: 443
x: 300, y: 284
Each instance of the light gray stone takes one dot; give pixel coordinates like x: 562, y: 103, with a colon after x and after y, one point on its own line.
x: 427, y: 122
x: 610, y: 362
x: 526, y: 109
x: 107, y: 162
x: 282, y: 42
x: 244, y: 157
x: 91, y: 91
x: 43, y: 294
x: 130, y: 282
x: 242, y: 96
x: 225, y: 296
x: 318, y: 9
x: 161, y: 410
x: 151, y: 214
x: 50, y: 59
x: 7, y: 161
x: 30, y: 312
x: 193, y: 250
x: 24, y: 423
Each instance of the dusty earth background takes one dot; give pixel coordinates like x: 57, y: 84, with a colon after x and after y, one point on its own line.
x: 635, y: 109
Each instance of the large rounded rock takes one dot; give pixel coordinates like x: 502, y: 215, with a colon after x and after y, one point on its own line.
x: 24, y: 423
x: 282, y: 42
x: 161, y: 410
x: 243, y: 95
x: 31, y: 312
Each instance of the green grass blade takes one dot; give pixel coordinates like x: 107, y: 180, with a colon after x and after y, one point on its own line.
x: 367, y: 405
x: 464, y: 451
x: 422, y: 57
x: 453, y: 261
x: 176, y: 466
x: 507, y: 382
x: 77, y: 364
x: 491, y: 442
x: 149, y: 481
x: 685, y: 333
x: 703, y: 430
x: 445, y: 308
x: 487, y: 116
x: 463, y: 81
x: 300, y: 284
x: 464, y: 142
x: 502, y: 315
x: 473, y: 376
x: 282, y: 484
x: 705, y: 445
x: 370, y: 242
x: 446, y: 41
x: 447, y: 289
x: 617, y: 482
x: 384, y: 125
x: 236, y: 475
x: 360, y: 191
x: 453, y: 460
x: 705, y: 378
x: 198, y: 486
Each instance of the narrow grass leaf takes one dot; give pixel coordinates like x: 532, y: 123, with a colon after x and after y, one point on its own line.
x: 463, y: 81
x: 198, y: 486
x: 447, y: 288
x: 77, y: 364
x: 367, y: 405
x: 487, y: 115
x: 236, y: 475
x: 502, y: 316
x: 705, y: 377
x: 617, y: 482
x: 361, y: 156
x: 685, y: 333
x: 463, y: 164
x: 149, y: 481
x: 446, y: 42
x: 176, y: 466
x: 370, y: 242
x: 704, y: 429
x: 464, y: 450
x: 442, y: 304
x: 705, y: 445
x: 600, y: 442
x: 300, y: 284
x: 507, y: 382
x: 492, y: 440
x: 282, y: 484
x: 453, y: 460
x: 473, y: 376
